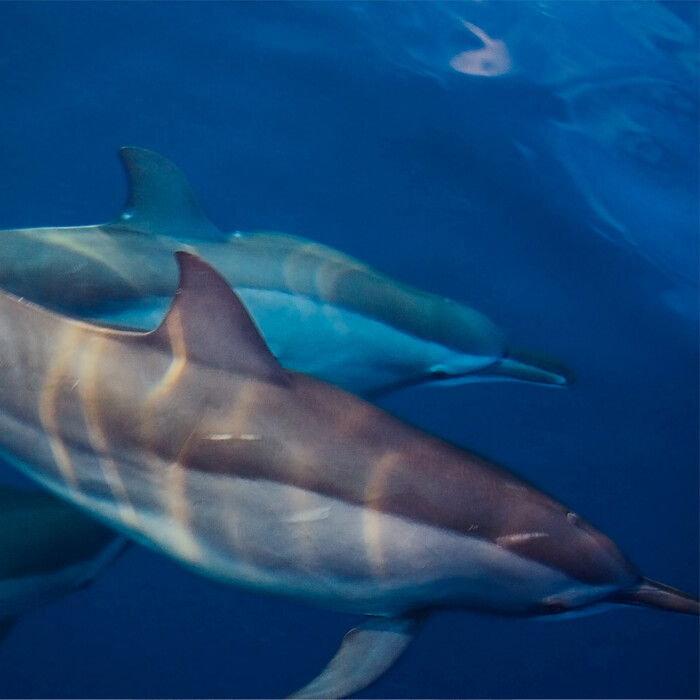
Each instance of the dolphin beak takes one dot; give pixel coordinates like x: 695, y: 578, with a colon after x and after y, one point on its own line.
x: 652, y: 594
x: 528, y: 367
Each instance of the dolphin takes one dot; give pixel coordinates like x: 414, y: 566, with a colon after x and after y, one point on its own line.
x: 194, y: 440
x: 47, y: 548
x: 320, y: 311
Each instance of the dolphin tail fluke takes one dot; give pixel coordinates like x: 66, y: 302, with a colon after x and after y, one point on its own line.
x: 529, y: 367
x: 161, y: 199
x: 366, y: 653
x: 653, y: 594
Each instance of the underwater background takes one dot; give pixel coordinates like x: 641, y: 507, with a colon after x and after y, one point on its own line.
x: 535, y: 160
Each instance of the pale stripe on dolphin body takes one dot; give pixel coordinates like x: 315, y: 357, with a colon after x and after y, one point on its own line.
x: 113, y: 258
x: 48, y: 402
x: 372, y: 521
x: 169, y: 381
x: 88, y: 386
x: 174, y: 496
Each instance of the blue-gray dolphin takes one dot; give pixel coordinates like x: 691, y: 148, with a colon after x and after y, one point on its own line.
x: 320, y: 311
x: 47, y: 548
x: 194, y: 440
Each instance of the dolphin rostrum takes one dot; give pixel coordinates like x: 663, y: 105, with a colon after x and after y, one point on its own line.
x: 47, y: 548
x: 194, y: 440
x: 321, y: 312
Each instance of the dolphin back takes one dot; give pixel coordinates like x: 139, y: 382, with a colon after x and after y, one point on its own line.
x: 652, y: 594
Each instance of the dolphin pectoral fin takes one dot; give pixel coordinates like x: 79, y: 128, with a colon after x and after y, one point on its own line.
x: 527, y: 367
x: 161, y: 200
x: 366, y: 653
x: 652, y: 594
x: 6, y: 625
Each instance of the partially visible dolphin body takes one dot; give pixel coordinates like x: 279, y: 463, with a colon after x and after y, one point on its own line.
x: 194, y: 440
x: 47, y: 548
x: 320, y: 311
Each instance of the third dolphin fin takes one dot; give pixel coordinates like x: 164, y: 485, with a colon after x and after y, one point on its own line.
x: 366, y: 653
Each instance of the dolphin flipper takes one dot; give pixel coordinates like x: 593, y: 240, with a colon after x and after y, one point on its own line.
x: 366, y: 653
x: 161, y: 200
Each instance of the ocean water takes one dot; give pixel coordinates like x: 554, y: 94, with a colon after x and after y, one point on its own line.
x: 538, y: 161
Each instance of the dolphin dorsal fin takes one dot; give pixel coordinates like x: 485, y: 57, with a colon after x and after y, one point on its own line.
x: 208, y: 324
x: 161, y: 199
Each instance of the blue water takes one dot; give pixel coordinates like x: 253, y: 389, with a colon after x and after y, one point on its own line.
x: 551, y: 181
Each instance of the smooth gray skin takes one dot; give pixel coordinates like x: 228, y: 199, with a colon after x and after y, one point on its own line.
x: 320, y: 311
x: 195, y: 441
x: 47, y: 548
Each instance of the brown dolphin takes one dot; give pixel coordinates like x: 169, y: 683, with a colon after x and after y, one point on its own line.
x: 194, y: 440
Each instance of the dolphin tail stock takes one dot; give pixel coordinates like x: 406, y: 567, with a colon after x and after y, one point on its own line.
x: 161, y: 200
x: 652, y: 594
x: 366, y: 653
x: 529, y: 367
